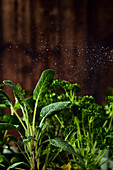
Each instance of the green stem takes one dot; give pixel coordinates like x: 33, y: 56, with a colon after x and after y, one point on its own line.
x: 22, y: 152
x: 101, y: 156
x: 26, y: 117
x: 110, y: 123
x: 46, y: 159
x: 59, y: 150
x: 83, y: 126
x: 105, y: 161
x: 59, y: 121
x: 41, y: 121
x: 19, y: 118
x: 34, y: 115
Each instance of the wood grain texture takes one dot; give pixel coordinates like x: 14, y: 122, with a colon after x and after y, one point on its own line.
x: 74, y: 38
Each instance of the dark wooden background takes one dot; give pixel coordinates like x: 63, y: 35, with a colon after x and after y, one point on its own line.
x: 72, y: 37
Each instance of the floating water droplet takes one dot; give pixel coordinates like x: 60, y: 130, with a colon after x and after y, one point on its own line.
x: 91, y: 68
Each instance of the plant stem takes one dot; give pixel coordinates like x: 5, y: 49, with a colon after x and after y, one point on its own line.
x: 46, y: 159
x: 41, y: 121
x: 101, y: 156
x: 22, y: 152
x: 34, y: 115
x: 19, y: 118
x: 59, y: 121
x: 59, y: 150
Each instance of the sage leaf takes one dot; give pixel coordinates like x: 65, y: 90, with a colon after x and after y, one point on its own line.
x: 51, y: 109
x: 44, y: 82
x: 18, y: 94
x: 29, y: 138
x: 59, y: 142
x: 14, y: 165
x: 5, y: 99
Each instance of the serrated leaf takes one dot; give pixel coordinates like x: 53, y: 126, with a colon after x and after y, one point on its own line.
x: 44, y: 82
x: 4, y: 98
x: 13, y: 138
x: 53, y: 108
x: 6, y: 126
x: 18, y: 95
x: 59, y: 142
x: 29, y: 138
x: 14, y: 165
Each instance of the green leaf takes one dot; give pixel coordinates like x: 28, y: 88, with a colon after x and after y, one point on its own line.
x: 4, y: 98
x: 14, y: 165
x: 53, y: 108
x: 59, y: 142
x: 29, y: 138
x: 2, y: 165
x: 3, y: 106
x: 6, y: 126
x: 14, y: 159
x: 44, y: 82
x: 3, y: 159
x: 18, y: 95
x: 1, y: 85
x: 30, y: 101
x: 12, y: 138
x: 7, y: 118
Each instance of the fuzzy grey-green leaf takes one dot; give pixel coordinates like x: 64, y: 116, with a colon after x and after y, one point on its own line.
x: 29, y: 138
x: 59, y: 142
x: 44, y: 82
x: 18, y: 95
x: 4, y: 98
x: 53, y: 108
x: 14, y: 165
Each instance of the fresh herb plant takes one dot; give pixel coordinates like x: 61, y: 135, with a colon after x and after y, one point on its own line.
x: 88, y: 133
x: 56, y: 121
x: 34, y: 135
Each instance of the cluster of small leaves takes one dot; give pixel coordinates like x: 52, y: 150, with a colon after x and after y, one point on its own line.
x: 66, y: 85
x: 59, y: 91
x: 86, y: 106
x: 104, y: 138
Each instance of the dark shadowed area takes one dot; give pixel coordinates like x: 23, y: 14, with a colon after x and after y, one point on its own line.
x: 72, y: 37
